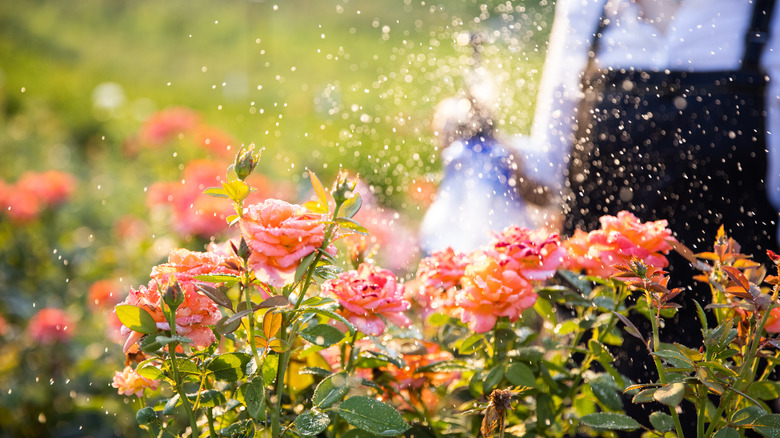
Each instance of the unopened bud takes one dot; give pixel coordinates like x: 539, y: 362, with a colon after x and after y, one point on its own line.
x: 173, y: 296
x: 343, y: 187
x: 246, y: 160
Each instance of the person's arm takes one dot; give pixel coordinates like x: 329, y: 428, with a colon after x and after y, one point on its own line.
x: 544, y: 155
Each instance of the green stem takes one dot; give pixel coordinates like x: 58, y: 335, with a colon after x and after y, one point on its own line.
x: 351, y: 355
x: 701, y: 417
x: 654, y: 322
x: 250, y: 336
x: 210, y: 417
x: 170, y: 315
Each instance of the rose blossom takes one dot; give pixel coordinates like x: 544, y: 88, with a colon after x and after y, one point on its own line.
x: 536, y: 255
x: 103, y: 294
x: 773, y: 322
x: 367, y: 295
x: 438, y: 276
x: 50, y: 325
x: 193, y: 316
x: 280, y: 236
x: 619, y: 239
x: 183, y: 265
x: 491, y: 290
x: 129, y: 382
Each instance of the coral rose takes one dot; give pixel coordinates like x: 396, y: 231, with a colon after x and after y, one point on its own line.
x: 129, y: 382
x: 438, y: 276
x: 51, y: 325
x: 536, y: 255
x: 183, y: 265
x: 619, y: 239
x: 280, y: 236
x: 491, y: 290
x: 368, y: 295
x: 193, y: 316
x: 773, y: 322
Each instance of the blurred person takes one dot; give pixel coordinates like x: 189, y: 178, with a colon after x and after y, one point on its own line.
x: 664, y: 108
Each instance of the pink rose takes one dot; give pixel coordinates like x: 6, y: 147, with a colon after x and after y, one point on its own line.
x: 280, y: 236
x: 491, y: 290
x: 51, y: 325
x: 193, y: 316
x: 184, y: 265
x: 129, y: 382
x: 367, y: 295
x: 438, y: 276
x: 536, y: 255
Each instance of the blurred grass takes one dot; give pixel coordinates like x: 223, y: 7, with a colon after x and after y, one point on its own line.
x: 319, y: 84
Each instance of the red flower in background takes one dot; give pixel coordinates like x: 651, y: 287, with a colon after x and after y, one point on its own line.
x: 168, y: 124
x: 51, y: 325
x: 103, y: 294
x: 34, y: 192
x: 216, y: 140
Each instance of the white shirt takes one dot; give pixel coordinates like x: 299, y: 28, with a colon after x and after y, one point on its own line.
x: 704, y: 35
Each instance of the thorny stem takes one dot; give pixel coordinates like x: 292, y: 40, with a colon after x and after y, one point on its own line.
x: 748, y: 366
x: 654, y: 322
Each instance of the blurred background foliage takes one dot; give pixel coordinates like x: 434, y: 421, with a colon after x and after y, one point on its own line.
x: 318, y: 84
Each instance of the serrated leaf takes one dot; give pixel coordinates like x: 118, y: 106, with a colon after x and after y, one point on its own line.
x: 661, y: 421
x: 610, y: 421
x: 519, y: 374
x: 644, y: 396
x: 136, y: 319
x: 272, y: 323
x: 349, y: 224
x: 311, y: 423
x: 318, y: 188
x: 317, y: 301
x: 217, y: 192
x: 670, y: 395
x: 747, y: 415
x: 708, y: 378
x: 208, y: 398
x: 373, y: 416
x: 331, y: 390
x: 332, y: 315
x: 471, y: 344
x: 606, y: 394
x: 726, y: 432
x: 768, y: 425
x: 323, y: 335
x: 352, y: 205
x: 253, y: 392
x: 223, y: 327
x: 150, y: 372
x: 278, y: 345
x: 274, y: 301
x: 229, y: 367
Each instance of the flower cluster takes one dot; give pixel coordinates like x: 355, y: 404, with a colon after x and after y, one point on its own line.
x: 178, y: 122
x: 618, y: 240
x: 369, y: 295
x: 35, y: 192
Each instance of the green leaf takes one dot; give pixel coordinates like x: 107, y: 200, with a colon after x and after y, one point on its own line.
x: 215, y: 294
x: 315, y: 207
x: 149, y: 343
x: 317, y: 301
x: 606, y: 393
x: 217, y: 192
x: 726, y: 432
x: 352, y: 205
x: 331, y: 390
x: 239, y: 429
x: 493, y: 378
x: 708, y: 378
x: 224, y: 327
x: 236, y: 190
x: 644, y: 396
x: 253, y: 393
x: 768, y: 425
x: 373, y: 416
x: 471, y: 344
x: 229, y: 280
x: 165, y: 340
x: 764, y: 390
x: 311, y: 423
x: 520, y: 374
x: 446, y: 366
x: 358, y: 433
x: 530, y: 354
x: 170, y: 405
x: 146, y: 415
x: 229, y: 367
x: 208, y: 398
x: 675, y: 358
x: 136, y: 319
x: 747, y: 415
x: 671, y: 395
x: 610, y: 421
x: 304, y: 266
x: 349, y: 224
x: 662, y: 421
x: 332, y: 315
x: 323, y: 335
x: 150, y: 372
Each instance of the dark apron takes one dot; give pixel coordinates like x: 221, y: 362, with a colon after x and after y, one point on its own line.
x: 688, y: 147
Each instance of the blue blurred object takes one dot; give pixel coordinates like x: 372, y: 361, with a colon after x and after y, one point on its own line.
x: 478, y: 194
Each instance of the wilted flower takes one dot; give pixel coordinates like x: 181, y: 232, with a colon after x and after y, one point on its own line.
x: 368, y: 295
x: 619, y: 239
x: 51, y: 325
x: 535, y: 255
x: 129, y: 382
x: 491, y: 290
x: 280, y: 236
x: 193, y: 316
x: 438, y: 276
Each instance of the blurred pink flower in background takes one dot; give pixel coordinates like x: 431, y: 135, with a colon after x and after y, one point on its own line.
x: 773, y: 322
x: 193, y: 316
x: 51, y: 325
x: 104, y: 294
x: 34, y: 192
x: 437, y: 278
x: 491, y: 290
x: 168, y: 124
x: 216, y: 140
x: 129, y: 382
x: 4, y: 328
x: 280, y: 234
x: 368, y: 295
x: 619, y: 239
